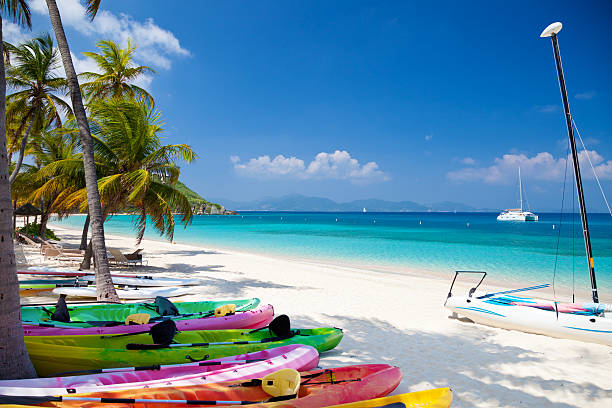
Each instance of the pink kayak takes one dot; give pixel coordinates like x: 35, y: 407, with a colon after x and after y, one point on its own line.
x: 296, y: 356
x: 250, y: 319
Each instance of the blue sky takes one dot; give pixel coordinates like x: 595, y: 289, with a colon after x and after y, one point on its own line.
x: 421, y: 101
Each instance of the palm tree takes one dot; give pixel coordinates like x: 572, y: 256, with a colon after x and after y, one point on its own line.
x: 48, y: 147
x: 118, y: 71
x: 14, y: 361
x: 36, y: 84
x: 104, y: 284
x: 139, y: 172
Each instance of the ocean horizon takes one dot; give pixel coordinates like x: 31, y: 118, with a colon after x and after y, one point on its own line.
x: 439, y: 242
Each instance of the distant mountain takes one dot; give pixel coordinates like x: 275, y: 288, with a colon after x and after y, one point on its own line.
x: 298, y: 202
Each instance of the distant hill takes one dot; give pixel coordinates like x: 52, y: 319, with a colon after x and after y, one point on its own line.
x: 298, y: 202
x: 193, y: 197
x: 199, y: 205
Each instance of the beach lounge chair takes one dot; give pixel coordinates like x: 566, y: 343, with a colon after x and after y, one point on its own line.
x: 135, y: 256
x: 20, y: 256
x: 59, y: 255
x: 119, y: 259
x: 27, y: 239
x: 55, y: 244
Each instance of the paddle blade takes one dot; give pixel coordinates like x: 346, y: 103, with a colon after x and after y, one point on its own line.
x: 281, y: 383
x: 280, y: 326
x: 26, y: 400
x: 138, y: 318
x: 225, y: 310
x: 163, y: 332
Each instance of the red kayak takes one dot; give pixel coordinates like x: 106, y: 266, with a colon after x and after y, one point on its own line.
x: 320, y: 388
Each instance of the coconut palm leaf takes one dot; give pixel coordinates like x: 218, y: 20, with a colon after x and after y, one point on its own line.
x: 118, y: 71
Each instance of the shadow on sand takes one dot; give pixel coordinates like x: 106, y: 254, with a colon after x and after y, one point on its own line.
x: 427, y: 359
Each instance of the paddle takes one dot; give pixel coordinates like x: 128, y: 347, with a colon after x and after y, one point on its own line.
x: 282, y: 385
x: 280, y: 328
x: 157, y: 367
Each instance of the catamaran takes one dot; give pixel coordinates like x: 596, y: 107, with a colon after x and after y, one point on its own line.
x: 589, y: 321
x: 517, y: 214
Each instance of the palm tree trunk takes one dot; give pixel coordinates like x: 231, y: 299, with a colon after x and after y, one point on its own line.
x: 104, y: 284
x: 84, y: 235
x: 24, y: 142
x: 42, y: 231
x: 86, y: 262
x: 14, y: 360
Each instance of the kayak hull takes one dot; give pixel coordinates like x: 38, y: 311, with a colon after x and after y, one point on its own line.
x: 55, y: 354
x: 297, y: 357
x: 250, y: 319
x: 435, y: 398
x: 80, y: 315
x: 136, y: 293
x: 353, y: 383
x: 119, y: 279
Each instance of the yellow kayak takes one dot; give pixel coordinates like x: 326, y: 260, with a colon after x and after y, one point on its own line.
x: 435, y: 398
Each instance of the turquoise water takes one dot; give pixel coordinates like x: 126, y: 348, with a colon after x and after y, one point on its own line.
x: 441, y: 242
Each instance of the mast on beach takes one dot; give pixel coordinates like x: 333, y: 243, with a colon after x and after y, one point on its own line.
x: 551, y: 31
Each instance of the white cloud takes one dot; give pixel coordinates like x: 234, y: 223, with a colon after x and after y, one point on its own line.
x: 428, y: 136
x: 338, y: 165
x: 586, y: 95
x: 13, y: 34
x: 542, y: 166
x: 468, y: 161
x: 156, y: 46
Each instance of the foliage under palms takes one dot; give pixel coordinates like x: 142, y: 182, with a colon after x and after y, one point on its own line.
x: 137, y: 171
x: 49, y: 146
x: 118, y: 71
x: 32, y: 75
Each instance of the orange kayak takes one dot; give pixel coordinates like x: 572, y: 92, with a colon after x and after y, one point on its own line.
x: 320, y: 388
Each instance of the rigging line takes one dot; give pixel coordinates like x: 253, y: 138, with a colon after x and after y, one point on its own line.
x: 560, y: 223
x: 574, y: 240
x: 592, y: 167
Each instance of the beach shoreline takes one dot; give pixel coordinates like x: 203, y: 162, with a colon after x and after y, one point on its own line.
x: 393, y: 318
x: 492, y: 282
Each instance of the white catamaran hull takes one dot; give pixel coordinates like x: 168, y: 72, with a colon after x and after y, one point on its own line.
x: 517, y: 216
x: 594, y: 329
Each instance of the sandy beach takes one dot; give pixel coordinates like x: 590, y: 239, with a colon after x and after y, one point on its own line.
x: 393, y: 318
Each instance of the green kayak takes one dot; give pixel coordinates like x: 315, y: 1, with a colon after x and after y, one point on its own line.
x: 56, y: 354
x: 101, y: 314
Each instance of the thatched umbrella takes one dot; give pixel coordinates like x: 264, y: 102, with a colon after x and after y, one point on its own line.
x: 25, y: 210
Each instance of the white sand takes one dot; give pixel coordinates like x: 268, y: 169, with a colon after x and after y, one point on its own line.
x: 395, y: 319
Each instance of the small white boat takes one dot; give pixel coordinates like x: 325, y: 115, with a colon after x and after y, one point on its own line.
x: 517, y: 214
x: 364, y: 210
x: 144, y: 293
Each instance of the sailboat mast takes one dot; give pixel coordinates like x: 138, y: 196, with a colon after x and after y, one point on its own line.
x: 551, y: 31
x: 520, y: 189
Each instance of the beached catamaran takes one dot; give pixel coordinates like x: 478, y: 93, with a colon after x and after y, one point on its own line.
x: 580, y: 321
